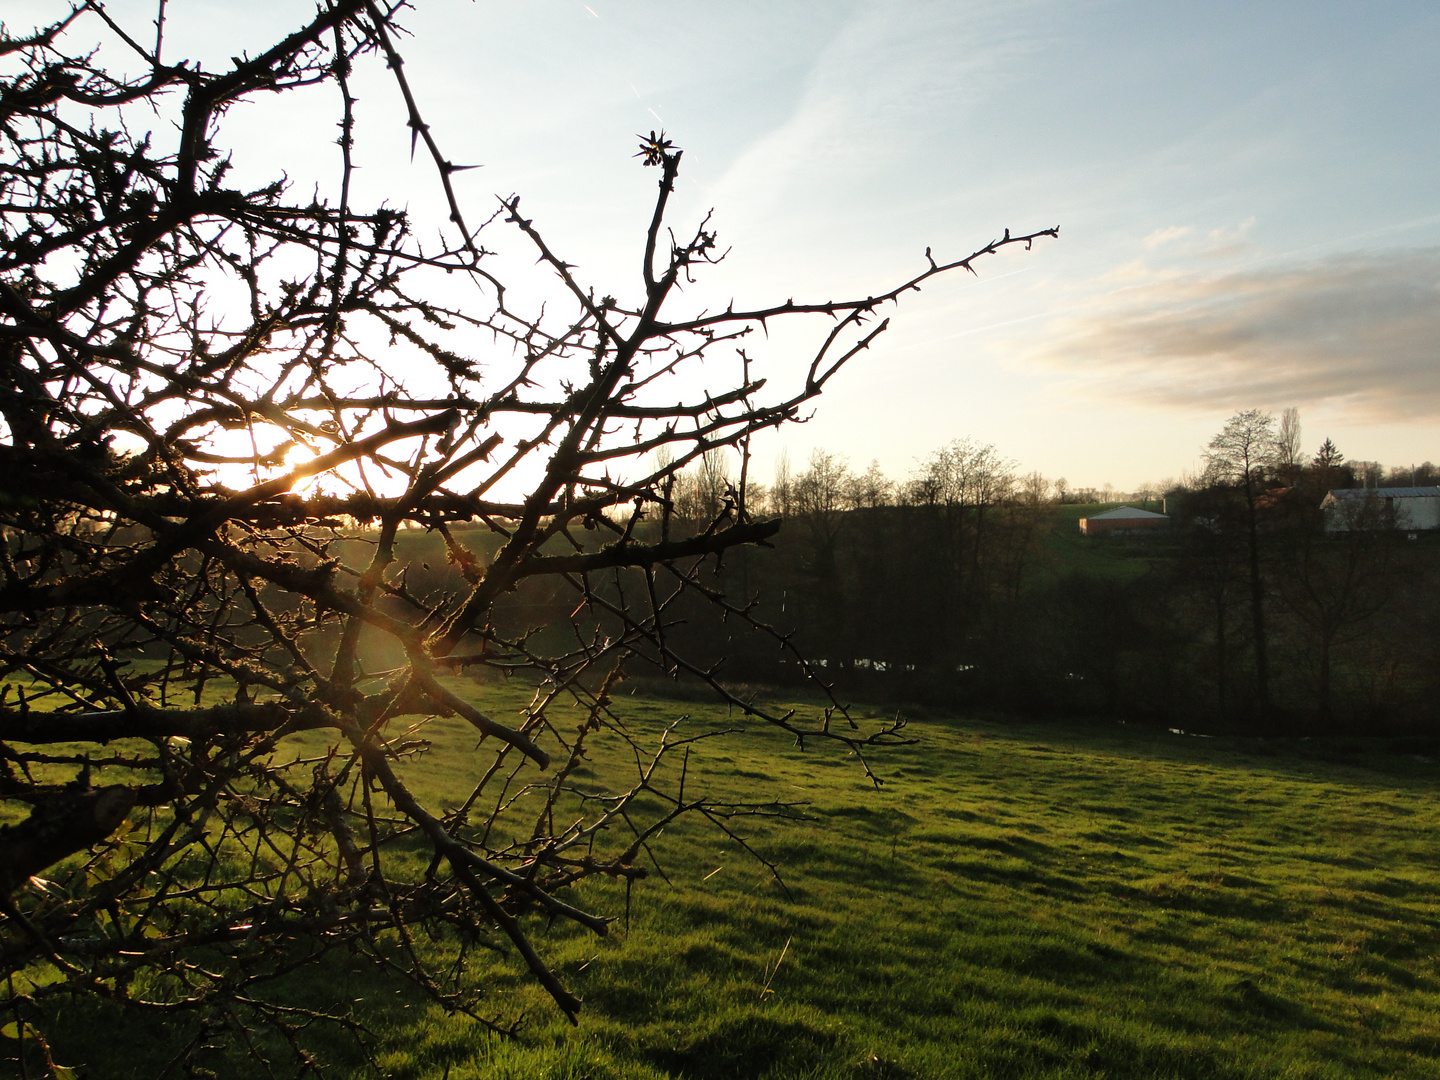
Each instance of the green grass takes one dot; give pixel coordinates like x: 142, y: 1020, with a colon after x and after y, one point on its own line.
x: 1068, y: 551
x: 1018, y: 900
x: 1023, y: 900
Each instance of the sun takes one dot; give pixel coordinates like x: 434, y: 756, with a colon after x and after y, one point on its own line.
x: 297, y: 457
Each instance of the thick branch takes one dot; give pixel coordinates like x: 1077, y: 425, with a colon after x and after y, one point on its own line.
x: 640, y: 555
x: 61, y: 826
x: 142, y: 722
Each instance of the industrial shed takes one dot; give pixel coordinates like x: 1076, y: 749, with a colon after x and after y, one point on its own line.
x: 1408, y: 508
x: 1123, y: 519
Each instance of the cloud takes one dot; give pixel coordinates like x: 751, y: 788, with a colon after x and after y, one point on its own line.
x: 1164, y: 236
x: 890, y: 85
x: 1361, y: 330
x: 1226, y: 242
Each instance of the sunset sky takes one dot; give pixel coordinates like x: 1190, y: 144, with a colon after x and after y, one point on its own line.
x: 1247, y: 196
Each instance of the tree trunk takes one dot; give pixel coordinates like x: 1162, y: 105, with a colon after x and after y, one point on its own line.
x: 1221, y: 683
x: 1257, y: 604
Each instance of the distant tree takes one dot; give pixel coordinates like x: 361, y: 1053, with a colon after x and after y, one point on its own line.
x: 1367, y: 474
x: 1328, y: 456
x: 820, y: 498
x: 782, y: 490
x: 872, y: 488
x: 224, y: 405
x: 958, y: 490
x: 1328, y: 470
x: 1335, y: 584
x: 1028, y: 517
x: 1211, y: 569
x: 701, y: 492
x: 1422, y: 475
x: 1288, y: 456
x: 821, y: 494
x: 1241, y: 457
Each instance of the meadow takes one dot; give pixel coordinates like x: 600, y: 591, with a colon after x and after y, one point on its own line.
x: 1019, y: 899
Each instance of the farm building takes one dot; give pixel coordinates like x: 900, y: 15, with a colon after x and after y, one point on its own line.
x: 1123, y: 519
x: 1409, y: 508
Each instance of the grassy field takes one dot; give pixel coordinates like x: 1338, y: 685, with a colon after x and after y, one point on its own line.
x: 1018, y: 900
x: 1068, y: 551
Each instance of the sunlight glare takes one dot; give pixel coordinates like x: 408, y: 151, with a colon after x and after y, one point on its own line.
x: 297, y: 457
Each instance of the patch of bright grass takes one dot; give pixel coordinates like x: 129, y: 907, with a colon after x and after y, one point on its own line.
x: 1018, y: 900
x: 1026, y: 900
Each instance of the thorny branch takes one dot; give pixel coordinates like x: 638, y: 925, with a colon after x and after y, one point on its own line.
x: 213, y: 647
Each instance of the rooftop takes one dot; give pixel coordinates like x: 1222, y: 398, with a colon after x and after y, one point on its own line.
x: 1124, y: 512
x: 1387, y: 493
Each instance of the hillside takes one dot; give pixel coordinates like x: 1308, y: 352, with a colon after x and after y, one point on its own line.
x: 1016, y: 900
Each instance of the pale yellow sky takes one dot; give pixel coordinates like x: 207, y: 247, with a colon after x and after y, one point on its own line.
x: 1246, y: 194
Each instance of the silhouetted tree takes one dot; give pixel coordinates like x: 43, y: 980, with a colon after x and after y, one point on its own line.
x: 956, y: 491
x: 1288, y: 457
x: 1335, y: 583
x: 201, y: 404
x: 1240, y: 457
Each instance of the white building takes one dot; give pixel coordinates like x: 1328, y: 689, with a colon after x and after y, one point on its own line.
x: 1408, y: 508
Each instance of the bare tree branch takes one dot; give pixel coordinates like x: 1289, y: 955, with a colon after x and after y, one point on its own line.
x: 226, y: 415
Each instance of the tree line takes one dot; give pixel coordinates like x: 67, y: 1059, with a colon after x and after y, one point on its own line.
x: 967, y: 583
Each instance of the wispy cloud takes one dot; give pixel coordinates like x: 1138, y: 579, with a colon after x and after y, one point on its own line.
x: 1227, y: 240
x: 873, y: 96
x: 1166, y: 235
x: 1362, y: 329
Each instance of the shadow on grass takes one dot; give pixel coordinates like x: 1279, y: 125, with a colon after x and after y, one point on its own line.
x: 1229, y: 897
x: 741, y: 1045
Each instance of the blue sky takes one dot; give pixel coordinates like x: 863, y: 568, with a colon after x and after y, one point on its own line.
x: 1247, y: 196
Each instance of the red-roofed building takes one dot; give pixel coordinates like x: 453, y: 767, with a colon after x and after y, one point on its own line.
x: 1123, y: 519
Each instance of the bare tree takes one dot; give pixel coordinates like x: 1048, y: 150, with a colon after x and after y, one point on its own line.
x: 822, y: 493
x: 782, y: 490
x: 1212, y: 565
x: 1288, y: 455
x: 872, y: 488
x: 956, y: 492
x: 1335, y: 581
x: 966, y: 480
x: 701, y: 491
x: 1241, y: 457
x: 184, y: 477
x: 1029, y: 516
